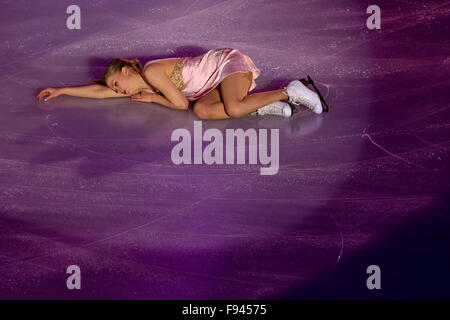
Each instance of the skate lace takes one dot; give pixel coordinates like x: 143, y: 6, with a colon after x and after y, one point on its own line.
x: 304, y: 101
x: 270, y: 109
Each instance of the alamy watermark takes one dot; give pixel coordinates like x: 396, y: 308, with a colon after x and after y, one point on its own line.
x: 374, y: 20
x: 74, y: 280
x: 213, y: 153
x: 74, y: 20
x: 374, y: 280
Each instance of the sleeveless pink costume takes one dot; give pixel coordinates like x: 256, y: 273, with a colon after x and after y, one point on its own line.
x: 197, y: 76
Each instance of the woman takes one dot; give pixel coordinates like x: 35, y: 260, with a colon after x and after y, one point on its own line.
x: 219, y: 82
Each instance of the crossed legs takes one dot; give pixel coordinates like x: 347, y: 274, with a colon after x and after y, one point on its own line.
x: 230, y: 99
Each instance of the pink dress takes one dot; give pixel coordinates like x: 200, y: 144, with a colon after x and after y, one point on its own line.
x: 197, y: 76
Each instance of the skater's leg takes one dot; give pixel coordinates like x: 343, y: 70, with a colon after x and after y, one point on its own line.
x: 234, y: 93
x: 210, y: 106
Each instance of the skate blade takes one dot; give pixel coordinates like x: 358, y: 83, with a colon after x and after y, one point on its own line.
x: 310, y: 81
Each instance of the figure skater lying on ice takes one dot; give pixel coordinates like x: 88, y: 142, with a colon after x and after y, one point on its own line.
x: 219, y: 82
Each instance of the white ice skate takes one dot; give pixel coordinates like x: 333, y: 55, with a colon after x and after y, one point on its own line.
x: 299, y: 94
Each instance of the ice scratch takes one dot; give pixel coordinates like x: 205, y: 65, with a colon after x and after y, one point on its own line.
x: 390, y: 153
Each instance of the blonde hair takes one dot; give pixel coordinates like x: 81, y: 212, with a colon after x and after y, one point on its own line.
x: 116, y: 65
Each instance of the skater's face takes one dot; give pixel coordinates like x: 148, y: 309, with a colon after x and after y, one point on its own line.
x: 125, y: 81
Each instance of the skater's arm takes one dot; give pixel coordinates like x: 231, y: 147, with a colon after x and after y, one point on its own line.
x: 95, y: 91
x: 172, y: 97
x: 156, y: 98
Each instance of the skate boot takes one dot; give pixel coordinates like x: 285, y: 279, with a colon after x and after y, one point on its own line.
x: 299, y: 94
x: 278, y: 108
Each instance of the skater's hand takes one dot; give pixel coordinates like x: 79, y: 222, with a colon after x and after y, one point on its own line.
x: 143, y: 96
x: 48, y: 94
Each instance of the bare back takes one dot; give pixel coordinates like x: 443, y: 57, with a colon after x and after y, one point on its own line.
x: 168, y: 65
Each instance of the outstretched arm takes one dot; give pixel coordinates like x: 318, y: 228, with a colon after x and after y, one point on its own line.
x: 95, y: 91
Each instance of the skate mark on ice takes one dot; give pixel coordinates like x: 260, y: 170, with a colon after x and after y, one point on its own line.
x: 392, y: 154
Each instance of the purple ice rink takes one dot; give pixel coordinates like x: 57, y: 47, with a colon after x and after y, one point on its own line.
x: 91, y: 182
